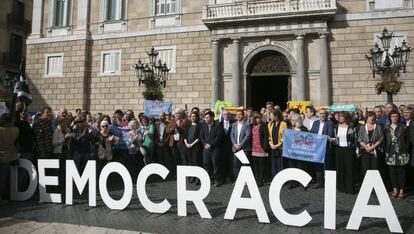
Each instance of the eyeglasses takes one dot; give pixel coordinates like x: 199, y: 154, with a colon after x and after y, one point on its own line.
x: 104, y: 126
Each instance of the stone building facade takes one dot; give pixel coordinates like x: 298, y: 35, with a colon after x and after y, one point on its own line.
x: 14, y: 28
x: 80, y: 53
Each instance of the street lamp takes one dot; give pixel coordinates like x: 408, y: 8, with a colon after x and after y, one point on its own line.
x: 154, y: 72
x: 390, y: 68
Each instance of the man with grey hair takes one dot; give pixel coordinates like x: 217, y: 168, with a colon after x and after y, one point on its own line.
x: 175, y: 131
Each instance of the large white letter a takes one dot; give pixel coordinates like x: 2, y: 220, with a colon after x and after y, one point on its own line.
x: 373, y: 181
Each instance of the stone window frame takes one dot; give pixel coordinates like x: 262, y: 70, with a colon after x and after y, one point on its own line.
x: 173, y: 48
x: 370, y: 5
x: 165, y: 20
x: 101, y: 68
x: 113, y: 25
x: 62, y: 30
x: 54, y: 75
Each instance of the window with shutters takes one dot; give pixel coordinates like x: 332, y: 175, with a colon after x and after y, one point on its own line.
x: 114, y: 10
x: 111, y: 63
x: 165, y: 7
x: 373, y: 5
x: 167, y: 54
x: 61, y: 12
x: 54, y: 65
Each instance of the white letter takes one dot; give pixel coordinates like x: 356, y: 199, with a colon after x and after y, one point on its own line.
x: 274, y: 196
x: 15, y: 195
x: 184, y: 195
x: 72, y: 175
x: 246, y: 178
x: 150, y: 206
x: 48, y: 180
x: 373, y: 181
x: 122, y: 203
x: 330, y: 200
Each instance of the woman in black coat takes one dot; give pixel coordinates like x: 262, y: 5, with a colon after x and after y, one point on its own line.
x: 192, y: 142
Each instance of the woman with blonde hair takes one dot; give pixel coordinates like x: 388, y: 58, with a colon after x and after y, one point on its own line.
x: 296, y: 124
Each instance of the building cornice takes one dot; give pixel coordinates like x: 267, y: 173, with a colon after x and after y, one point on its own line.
x: 375, y: 15
x: 114, y: 35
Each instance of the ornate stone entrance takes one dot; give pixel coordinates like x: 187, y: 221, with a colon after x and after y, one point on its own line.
x: 268, y: 79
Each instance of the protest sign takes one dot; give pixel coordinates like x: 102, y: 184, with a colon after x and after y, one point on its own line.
x: 304, y: 146
x: 338, y: 108
x: 155, y: 107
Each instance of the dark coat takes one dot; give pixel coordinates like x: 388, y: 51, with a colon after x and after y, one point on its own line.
x: 411, y: 138
x: 197, y: 132
x: 264, y: 137
x: 351, y: 136
x: 212, y: 137
x: 401, y: 133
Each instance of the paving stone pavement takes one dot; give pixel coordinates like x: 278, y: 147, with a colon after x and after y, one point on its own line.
x: 136, y: 218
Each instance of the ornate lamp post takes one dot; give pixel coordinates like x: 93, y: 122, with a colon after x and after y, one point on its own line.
x: 389, y: 70
x: 153, y: 75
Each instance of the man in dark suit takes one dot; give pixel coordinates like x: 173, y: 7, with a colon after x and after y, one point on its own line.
x: 241, y: 138
x: 211, y: 136
x: 408, y: 117
x: 323, y: 126
x: 227, y: 153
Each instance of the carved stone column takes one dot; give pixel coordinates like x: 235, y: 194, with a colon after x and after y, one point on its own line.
x: 325, y: 90
x: 215, y: 85
x: 300, y: 82
x: 236, y: 73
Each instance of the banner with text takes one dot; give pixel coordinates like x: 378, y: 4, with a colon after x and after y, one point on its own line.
x: 155, y: 107
x: 304, y: 146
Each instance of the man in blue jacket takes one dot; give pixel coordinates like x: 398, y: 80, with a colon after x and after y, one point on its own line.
x: 323, y: 126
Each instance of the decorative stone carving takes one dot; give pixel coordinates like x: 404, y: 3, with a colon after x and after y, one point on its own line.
x: 287, y: 45
x: 271, y: 64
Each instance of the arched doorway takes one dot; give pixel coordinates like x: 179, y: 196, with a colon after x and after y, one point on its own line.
x: 268, y: 79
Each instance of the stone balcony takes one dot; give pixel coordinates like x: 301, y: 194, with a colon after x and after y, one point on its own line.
x: 270, y: 9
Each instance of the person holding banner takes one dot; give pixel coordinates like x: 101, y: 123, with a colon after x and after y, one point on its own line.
x: 323, y: 126
x: 346, y: 138
x: 260, y: 145
x: 274, y: 134
x: 296, y: 125
x: 396, y: 153
x: 370, y: 138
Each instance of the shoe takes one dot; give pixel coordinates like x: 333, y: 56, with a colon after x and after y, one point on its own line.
x: 217, y: 184
x: 394, y: 194
x: 401, y: 195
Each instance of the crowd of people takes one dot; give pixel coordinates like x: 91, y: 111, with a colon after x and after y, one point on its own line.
x: 379, y: 139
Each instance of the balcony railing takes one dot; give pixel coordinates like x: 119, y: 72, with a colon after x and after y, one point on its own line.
x: 18, y: 23
x: 275, y: 8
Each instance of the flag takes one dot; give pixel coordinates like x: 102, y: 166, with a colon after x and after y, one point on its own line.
x: 301, y: 105
x: 21, y: 89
